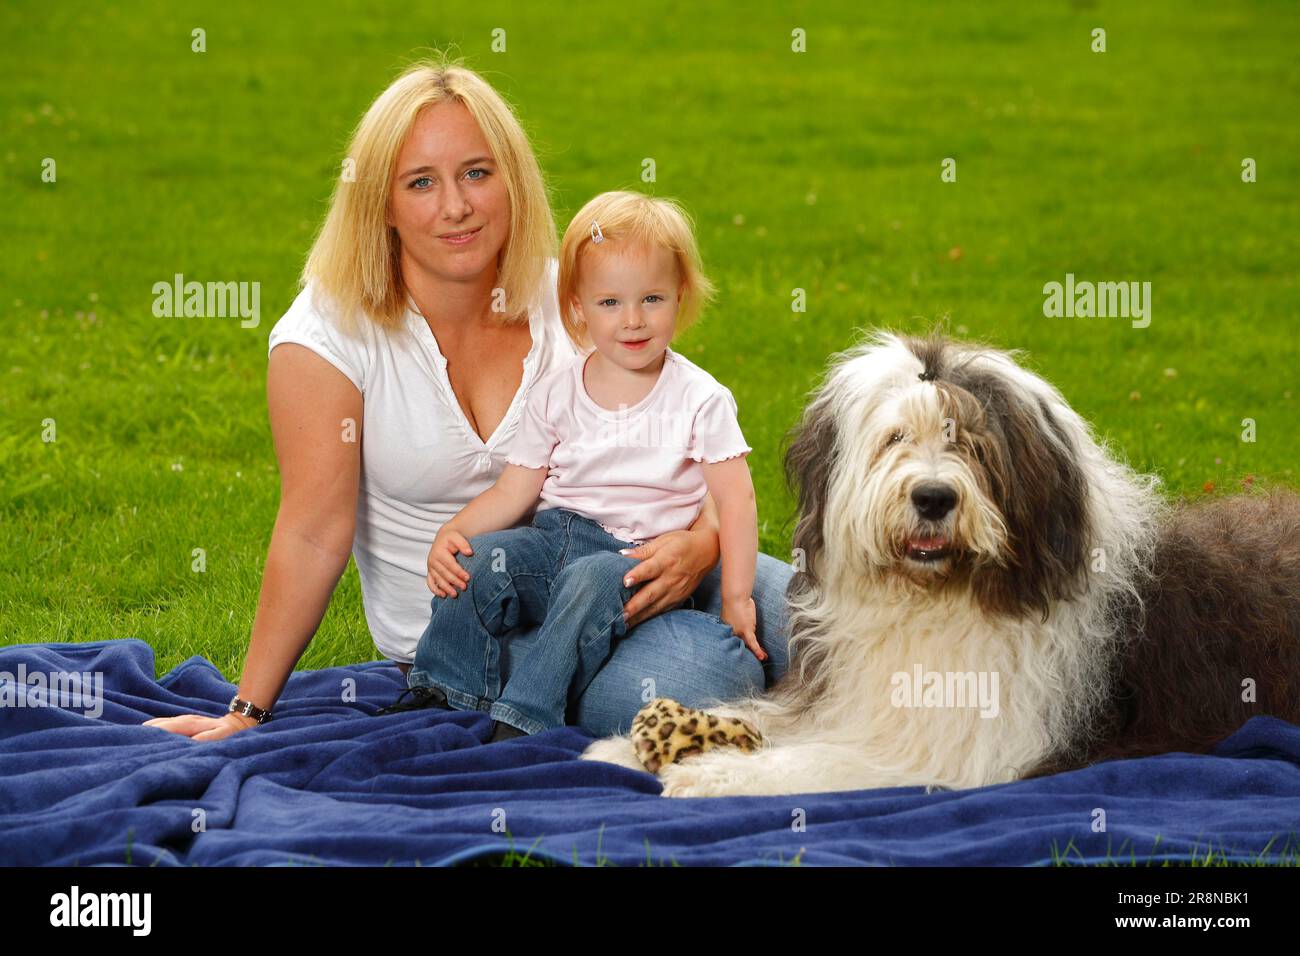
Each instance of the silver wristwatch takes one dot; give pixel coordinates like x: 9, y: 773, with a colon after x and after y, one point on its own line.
x: 238, y: 706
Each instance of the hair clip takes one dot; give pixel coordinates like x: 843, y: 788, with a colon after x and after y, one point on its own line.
x: 596, y: 234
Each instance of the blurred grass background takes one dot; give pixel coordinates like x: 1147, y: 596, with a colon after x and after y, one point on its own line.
x: 816, y: 170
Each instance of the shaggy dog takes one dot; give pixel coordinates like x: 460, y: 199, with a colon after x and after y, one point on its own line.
x: 985, y: 592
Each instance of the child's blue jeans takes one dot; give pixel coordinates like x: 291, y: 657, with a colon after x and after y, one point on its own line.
x: 563, y: 572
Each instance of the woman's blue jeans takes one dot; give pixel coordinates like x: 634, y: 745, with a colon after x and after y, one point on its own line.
x: 537, y: 639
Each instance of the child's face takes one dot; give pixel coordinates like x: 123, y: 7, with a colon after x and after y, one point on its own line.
x: 628, y: 298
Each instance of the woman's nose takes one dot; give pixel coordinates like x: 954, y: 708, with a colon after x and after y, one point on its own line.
x: 455, y: 204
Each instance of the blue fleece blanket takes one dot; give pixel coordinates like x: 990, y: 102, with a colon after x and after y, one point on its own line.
x: 327, y: 783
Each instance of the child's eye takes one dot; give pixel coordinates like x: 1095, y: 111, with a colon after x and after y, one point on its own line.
x: 654, y: 297
x: 608, y: 302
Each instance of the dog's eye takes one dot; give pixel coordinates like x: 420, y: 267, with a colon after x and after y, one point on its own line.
x: 895, y: 438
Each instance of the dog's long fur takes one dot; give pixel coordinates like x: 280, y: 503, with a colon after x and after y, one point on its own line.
x: 1116, y: 624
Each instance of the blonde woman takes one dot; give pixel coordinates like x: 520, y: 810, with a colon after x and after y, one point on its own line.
x: 397, y: 380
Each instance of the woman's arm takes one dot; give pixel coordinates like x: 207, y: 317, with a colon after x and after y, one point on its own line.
x: 310, y: 404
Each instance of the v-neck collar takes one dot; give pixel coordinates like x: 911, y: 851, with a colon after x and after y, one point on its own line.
x: 536, y: 331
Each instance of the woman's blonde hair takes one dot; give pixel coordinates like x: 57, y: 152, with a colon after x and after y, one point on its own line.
x: 356, y: 257
x: 628, y: 219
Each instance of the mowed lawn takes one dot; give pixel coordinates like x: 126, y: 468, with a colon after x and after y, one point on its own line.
x: 817, y: 171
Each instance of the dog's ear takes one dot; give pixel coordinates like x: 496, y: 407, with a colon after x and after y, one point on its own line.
x: 809, y: 462
x: 1039, y: 487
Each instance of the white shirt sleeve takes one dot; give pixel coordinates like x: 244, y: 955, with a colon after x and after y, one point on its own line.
x: 304, y: 324
x: 715, y: 433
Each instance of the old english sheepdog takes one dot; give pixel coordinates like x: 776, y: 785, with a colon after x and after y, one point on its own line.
x: 984, y: 592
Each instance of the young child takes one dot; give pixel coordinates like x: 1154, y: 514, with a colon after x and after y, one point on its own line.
x: 621, y: 446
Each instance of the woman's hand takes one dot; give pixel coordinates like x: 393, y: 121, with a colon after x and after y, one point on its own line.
x: 742, y: 616
x: 672, y: 567
x: 199, y: 727
x: 445, y: 572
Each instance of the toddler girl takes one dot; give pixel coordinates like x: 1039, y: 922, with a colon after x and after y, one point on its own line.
x: 621, y: 446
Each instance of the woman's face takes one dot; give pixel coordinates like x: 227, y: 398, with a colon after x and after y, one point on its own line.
x: 448, y: 200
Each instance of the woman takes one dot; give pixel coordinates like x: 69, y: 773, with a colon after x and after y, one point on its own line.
x: 395, y: 382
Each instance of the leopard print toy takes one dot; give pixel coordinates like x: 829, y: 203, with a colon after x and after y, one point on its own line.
x: 664, y: 731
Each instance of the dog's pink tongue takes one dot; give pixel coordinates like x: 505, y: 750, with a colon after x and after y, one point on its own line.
x: 933, y: 543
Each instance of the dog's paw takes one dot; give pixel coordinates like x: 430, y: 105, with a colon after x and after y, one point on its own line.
x: 615, y: 750
x: 664, y: 732
x: 700, y: 778
x: 679, y: 780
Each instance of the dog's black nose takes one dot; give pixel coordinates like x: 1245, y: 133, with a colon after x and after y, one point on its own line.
x: 933, y: 500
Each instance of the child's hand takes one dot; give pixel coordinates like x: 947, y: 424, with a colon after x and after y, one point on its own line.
x: 445, y: 572
x: 743, y: 618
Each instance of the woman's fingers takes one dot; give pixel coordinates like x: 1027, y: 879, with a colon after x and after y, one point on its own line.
x: 217, y: 733
x: 182, y: 724
x: 652, y: 599
x: 647, y: 568
x: 187, y: 725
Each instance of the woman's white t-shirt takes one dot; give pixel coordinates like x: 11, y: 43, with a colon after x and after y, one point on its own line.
x: 421, y: 462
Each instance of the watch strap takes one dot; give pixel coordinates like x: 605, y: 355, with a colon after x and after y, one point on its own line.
x: 240, y: 706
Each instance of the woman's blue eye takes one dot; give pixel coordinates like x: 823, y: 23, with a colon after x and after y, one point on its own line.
x: 479, y: 169
x: 423, y: 179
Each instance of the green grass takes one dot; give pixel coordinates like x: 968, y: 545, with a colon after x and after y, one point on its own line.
x: 510, y: 857
x: 817, y: 171
x: 1209, y: 856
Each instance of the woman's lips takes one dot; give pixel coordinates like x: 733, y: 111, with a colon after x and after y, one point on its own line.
x: 462, y: 239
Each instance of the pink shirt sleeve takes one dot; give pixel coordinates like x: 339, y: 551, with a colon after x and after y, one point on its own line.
x: 715, y: 434
x: 535, y: 438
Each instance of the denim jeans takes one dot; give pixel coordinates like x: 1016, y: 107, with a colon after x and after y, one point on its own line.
x: 537, y: 639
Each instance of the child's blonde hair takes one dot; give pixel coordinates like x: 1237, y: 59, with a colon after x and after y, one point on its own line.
x: 629, y: 218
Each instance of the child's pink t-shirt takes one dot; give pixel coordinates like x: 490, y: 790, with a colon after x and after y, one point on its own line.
x: 635, y: 471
